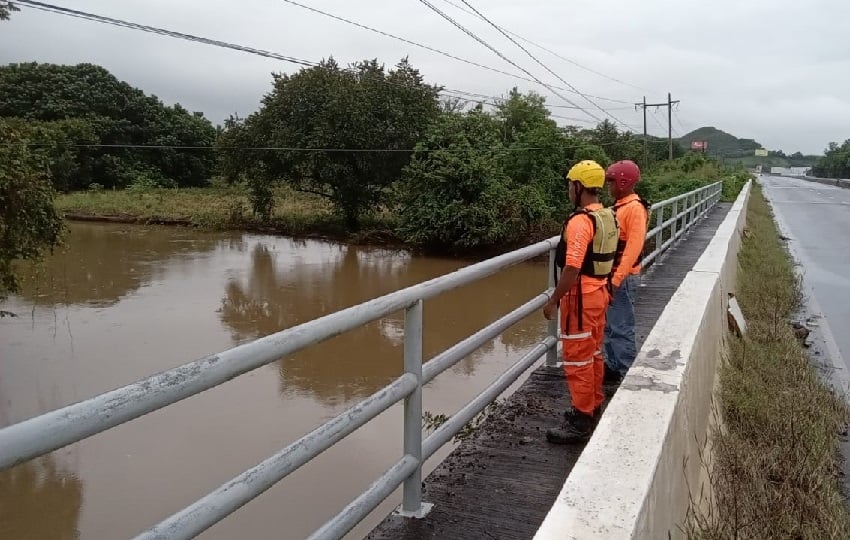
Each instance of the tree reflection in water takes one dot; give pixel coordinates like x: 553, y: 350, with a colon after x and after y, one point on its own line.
x: 39, y: 500
x: 283, y: 289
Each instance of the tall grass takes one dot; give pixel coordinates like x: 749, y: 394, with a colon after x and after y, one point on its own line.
x: 775, y: 463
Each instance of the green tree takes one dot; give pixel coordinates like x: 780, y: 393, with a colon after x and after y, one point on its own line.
x: 345, y: 115
x: 6, y: 8
x: 536, y: 150
x: 836, y: 161
x: 59, y: 143
x: 29, y: 224
x: 455, y: 193
x: 117, y: 115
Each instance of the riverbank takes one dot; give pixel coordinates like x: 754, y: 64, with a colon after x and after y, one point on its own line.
x: 776, y: 459
x: 304, y: 215
x: 295, y: 214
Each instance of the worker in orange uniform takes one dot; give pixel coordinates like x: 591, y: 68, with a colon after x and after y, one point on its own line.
x: 633, y: 217
x: 586, y: 252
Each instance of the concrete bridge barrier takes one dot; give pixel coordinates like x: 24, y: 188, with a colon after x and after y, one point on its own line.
x: 637, y: 474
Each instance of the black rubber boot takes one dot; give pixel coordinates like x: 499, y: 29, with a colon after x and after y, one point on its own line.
x: 577, y: 428
x: 597, y: 414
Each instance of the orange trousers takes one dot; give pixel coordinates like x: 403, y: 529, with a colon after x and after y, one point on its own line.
x: 582, y: 346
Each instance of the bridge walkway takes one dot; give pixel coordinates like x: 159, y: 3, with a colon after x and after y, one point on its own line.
x: 501, y: 482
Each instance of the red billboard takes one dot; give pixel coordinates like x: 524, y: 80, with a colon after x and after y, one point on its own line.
x: 699, y: 145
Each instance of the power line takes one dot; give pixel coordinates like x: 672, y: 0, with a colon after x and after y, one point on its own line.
x: 423, y: 46
x: 655, y: 118
x: 405, y: 40
x: 161, y: 31
x: 544, y: 66
x: 678, y: 120
x: 550, y: 51
x: 464, y: 93
x: 41, y: 6
x: 284, y: 148
x: 672, y: 129
x: 502, y: 56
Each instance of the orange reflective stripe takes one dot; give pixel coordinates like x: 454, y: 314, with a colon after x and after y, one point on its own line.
x: 578, y: 363
x: 582, y: 335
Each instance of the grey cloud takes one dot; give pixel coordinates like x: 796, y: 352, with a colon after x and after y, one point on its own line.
x: 773, y: 71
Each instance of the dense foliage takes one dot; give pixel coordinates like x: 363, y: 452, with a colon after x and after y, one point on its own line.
x: 836, y: 161
x: 29, y: 224
x: 87, y: 105
x: 377, y: 115
x: 6, y: 8
x: 374, y: 142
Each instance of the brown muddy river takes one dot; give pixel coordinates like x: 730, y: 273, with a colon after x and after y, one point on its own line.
x: 121, y: 302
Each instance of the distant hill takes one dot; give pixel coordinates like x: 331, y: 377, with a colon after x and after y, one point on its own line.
x: 720, y: 143
x: 729, y: 147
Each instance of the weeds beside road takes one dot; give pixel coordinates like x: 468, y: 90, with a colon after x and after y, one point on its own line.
x: 776, y: 463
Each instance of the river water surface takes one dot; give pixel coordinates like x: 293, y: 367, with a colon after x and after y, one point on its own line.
x: 120, y: 302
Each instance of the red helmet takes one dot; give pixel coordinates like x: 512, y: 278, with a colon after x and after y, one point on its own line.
x: 626, y: 173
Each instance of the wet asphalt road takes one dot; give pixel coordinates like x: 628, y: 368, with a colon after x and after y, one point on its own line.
x: 817, y: 217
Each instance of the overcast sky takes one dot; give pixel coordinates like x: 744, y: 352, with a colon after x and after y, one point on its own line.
x: 774, y: 70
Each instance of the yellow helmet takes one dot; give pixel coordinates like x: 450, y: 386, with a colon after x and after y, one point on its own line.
x: 588, y: 173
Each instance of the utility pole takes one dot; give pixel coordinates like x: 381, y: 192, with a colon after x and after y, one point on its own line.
x: 669, y: 104
x: 645, y: 137
x: 670, y: 125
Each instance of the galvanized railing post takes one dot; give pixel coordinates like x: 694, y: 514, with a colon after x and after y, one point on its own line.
x: 659, y: 236
x: 692, y: 201
x: 675, y: 217
x: 411, y: 505
x: 552, y: 355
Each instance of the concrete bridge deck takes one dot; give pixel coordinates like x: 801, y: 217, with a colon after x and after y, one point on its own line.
x: 501, y: 482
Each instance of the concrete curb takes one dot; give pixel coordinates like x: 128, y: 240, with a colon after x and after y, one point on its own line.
x: 635, y: 477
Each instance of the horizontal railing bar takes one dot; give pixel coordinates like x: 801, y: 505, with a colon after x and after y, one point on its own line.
x: 55, y: 429
x: 649, y: 258
x: 673, y: 239
x: 655, y: 253
x: 670, y: 221
x: 442, y: 434
x: 460, y: 350
x: 360, y: 507
x: 58, y: 428
x: 229, y: 497
x: 671, y: 200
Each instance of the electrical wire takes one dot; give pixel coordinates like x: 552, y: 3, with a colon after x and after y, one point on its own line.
x: 502, y: 56
x: 550, y: 51
x: 285, y: 148
x: 496, y: 99
x: 544, y: 66
x: 161, y: 31
x: 679, y: 121
x: 423, y: 46
x: 654, y: 116
x: 50, y: 8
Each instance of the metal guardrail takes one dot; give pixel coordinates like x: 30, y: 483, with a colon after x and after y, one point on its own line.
x: 56, y: 429
x: 675, y: 216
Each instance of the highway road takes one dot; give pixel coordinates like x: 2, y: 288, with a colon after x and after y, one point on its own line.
x: 816, y: 217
